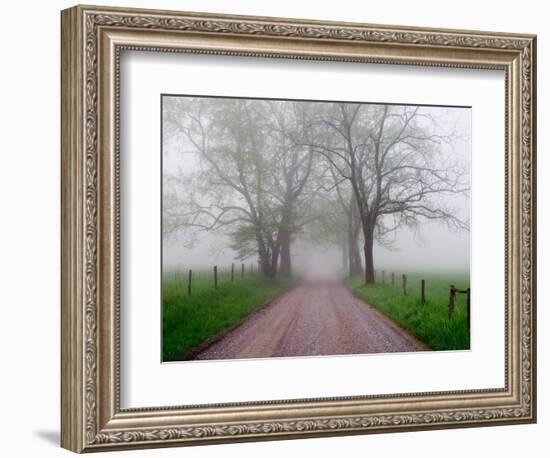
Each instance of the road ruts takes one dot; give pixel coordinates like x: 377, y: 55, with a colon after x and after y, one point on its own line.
x: 315, y: 318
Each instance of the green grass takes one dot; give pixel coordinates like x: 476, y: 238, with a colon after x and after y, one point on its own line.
x: 429, y: 322
x: 188, y: 321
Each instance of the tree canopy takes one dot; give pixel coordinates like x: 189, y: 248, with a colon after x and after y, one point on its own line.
x: 347, y: 174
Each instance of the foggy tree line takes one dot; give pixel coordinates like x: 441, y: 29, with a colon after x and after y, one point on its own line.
x: 342, y: 174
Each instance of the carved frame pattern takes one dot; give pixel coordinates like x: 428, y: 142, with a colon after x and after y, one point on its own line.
x: 87, y: 23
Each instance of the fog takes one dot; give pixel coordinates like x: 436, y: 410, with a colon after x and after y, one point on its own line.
x: 419, y: 245
x: 434, y: 247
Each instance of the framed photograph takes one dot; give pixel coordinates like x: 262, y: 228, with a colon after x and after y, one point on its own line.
x: 279, y: 228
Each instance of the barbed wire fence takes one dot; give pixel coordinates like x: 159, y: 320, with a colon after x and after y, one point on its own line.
x: 453, y: 291
x: 213, y: 277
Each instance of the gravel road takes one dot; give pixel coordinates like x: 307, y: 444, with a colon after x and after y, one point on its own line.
x: 315, y: 318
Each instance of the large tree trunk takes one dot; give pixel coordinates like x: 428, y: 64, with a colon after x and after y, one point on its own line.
x: 274, y: 260
x: 283, y: 242
x: 354, y: 254
x: 285, y: 268
x: 357, y: 264
x: 265, y: 265
x: 368, y: 232
x: 354, y: 257
x: 264, y: 256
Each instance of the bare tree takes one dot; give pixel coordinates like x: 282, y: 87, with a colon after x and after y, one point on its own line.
x: 338, y: 221
x: 337, y: 224
x: 390, y: 155
x: 226, y: 138
x: 252, y: 177
x: 258, y: 174
x: 293, y: 168
x: 348, y: 203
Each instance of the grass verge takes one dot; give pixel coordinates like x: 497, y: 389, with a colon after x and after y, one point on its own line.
x: 429, y: 322
x: 187, y: 321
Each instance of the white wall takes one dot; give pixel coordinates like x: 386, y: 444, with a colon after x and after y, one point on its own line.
x: 29, y: 241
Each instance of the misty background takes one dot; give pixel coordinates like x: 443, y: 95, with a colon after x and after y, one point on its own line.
x: 427, y: 246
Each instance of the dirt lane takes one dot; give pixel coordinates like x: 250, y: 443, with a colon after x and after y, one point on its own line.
x: 315, y: 318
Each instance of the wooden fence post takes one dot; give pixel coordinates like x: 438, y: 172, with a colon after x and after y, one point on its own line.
x: 242, y: 271
x: 423, y: 292
x: 452, y: 296
x: 232, y: 272
x: 189, y: 282
x: 468, y: 307
x: 392, y: 279
x: 215, y: 276
x: 404, y: 284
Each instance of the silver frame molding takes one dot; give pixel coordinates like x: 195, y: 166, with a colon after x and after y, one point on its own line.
x: 92, y: 39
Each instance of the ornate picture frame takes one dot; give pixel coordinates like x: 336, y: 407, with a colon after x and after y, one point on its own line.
x: 92, y: 41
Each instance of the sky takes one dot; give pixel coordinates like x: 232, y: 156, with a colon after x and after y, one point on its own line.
x: 431, y: 246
